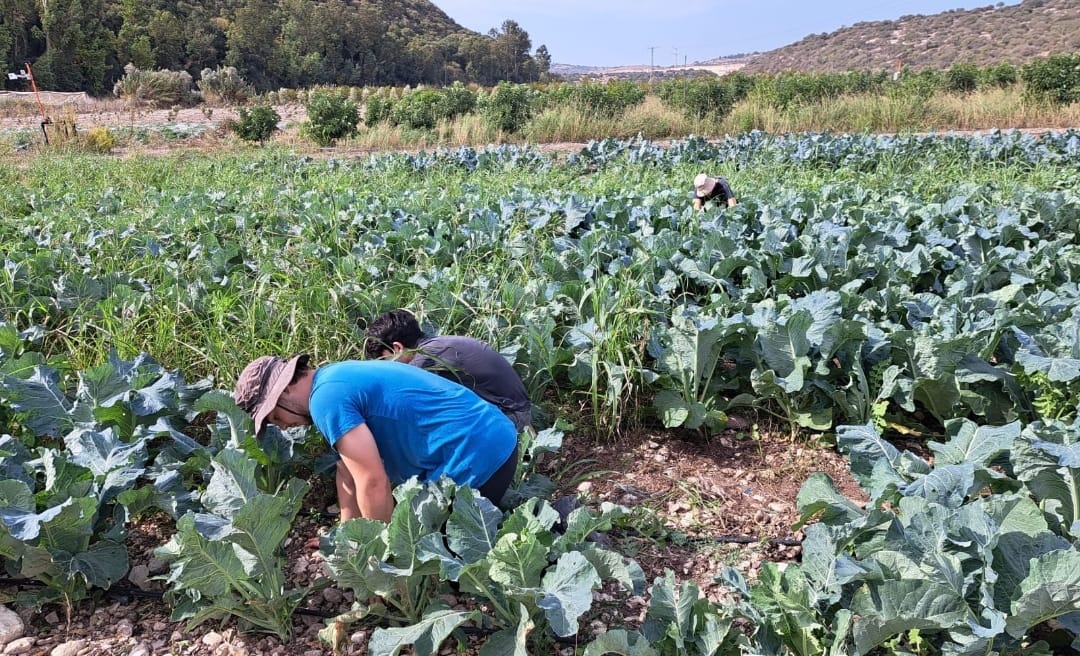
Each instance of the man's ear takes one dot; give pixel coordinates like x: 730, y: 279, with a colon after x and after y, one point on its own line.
x: 397, y: 347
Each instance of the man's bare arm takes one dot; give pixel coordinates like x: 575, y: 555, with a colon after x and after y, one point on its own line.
x: 372, y: 486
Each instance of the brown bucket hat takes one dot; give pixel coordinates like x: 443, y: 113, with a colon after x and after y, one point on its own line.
x: 261, y: 383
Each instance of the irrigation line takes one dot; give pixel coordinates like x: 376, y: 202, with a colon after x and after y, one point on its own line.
x: 749, y: 539
x: 127, y: 591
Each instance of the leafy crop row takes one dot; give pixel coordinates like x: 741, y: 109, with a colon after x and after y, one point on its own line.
x: 861, y: 283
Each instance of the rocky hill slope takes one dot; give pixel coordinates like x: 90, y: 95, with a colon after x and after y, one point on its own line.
x: 1014, y: 33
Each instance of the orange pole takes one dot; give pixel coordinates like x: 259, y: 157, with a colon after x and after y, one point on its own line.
x: 37, y: 96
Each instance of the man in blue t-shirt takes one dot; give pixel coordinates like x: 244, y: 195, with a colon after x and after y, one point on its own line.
x: 465, y: 360
x: 388, y: 421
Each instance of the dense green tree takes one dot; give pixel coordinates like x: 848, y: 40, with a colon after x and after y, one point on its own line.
x: 325, y: 42
x: 5, y: 46
x: 18, y: 18
x: 85, y: 44
x: 511, y: 51
x: 543, y: 60
x: 167, y: 38
x: 204, y: 37
x: 254, y: 46
x: 133, y: 40
x: 77, y: 46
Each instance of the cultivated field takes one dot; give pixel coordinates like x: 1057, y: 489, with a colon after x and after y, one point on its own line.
x: 839, y: 417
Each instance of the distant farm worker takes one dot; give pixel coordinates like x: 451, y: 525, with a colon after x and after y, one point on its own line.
x: 464, y: 360
x: 708, y: 188
x: 388, y: 422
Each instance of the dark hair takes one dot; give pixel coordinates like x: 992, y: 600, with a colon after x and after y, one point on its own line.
x: 301, y: 367
x: 394, y: 326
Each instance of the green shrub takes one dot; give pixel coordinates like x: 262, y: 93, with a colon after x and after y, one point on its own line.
x: 917, y: 86
x: 418, y: 110
x: 257, y: 125
x: 998, y: 75
x: 223, y: 85
x: 331, y: 116
x: 377, y: 109
x: 160, y: 88
x: 962, y: 78
x: 1055, y: 80
x: 456, y: 100
x: 98, y: 139
x: 508, y: 108
x: 607, y: 100
x: 701, y: 97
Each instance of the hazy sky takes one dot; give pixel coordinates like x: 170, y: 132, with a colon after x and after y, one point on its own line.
x: 608, y: 33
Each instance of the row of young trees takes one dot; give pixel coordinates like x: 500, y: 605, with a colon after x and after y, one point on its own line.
x: 83, y: 45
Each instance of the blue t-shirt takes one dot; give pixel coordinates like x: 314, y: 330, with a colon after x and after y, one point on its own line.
x: 424, y: 425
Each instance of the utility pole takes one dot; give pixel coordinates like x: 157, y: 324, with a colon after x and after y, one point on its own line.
x: 651, y: 49
x: 28, y: 74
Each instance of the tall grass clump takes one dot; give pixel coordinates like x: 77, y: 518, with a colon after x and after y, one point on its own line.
x: 159, y: 88
x: 223, y: 86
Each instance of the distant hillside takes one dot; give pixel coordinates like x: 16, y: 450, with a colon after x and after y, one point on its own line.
x: 1017, y: 34
x: 86, y: 45
x: 416, y: 18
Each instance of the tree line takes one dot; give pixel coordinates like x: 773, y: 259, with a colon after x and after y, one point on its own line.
x: 83, y: 45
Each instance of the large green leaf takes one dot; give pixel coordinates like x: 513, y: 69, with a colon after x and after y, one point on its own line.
x: 232, y: 484
x: 969, y: 442
x: 1051, y: 589
x: 25, y: 524
x: 426, y: 636
x: 567, y: 592
x: 71, y: 529
x: 473, y: 526
x: 620, y: 642
x: 357, y: 546
x: 867, y: 448
x: 210, y: 568
x: 819, y: 498
x: 261, y: 524
x: 584, y: 521
x: 101, y: 565
x: 948, y: 485
x: 1057, y: 370
x: 535, y: 516
x: 887, y: 608
x: 116, y: 464
x: 787, y: 602
x: 673, y: 410
x: 39, y: 399
x: 239, y: 423
x: 784, y: 344
x: 1047, y: 460
x: 517, y: 561
x: 406, y: 526
x: 615, y: 566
